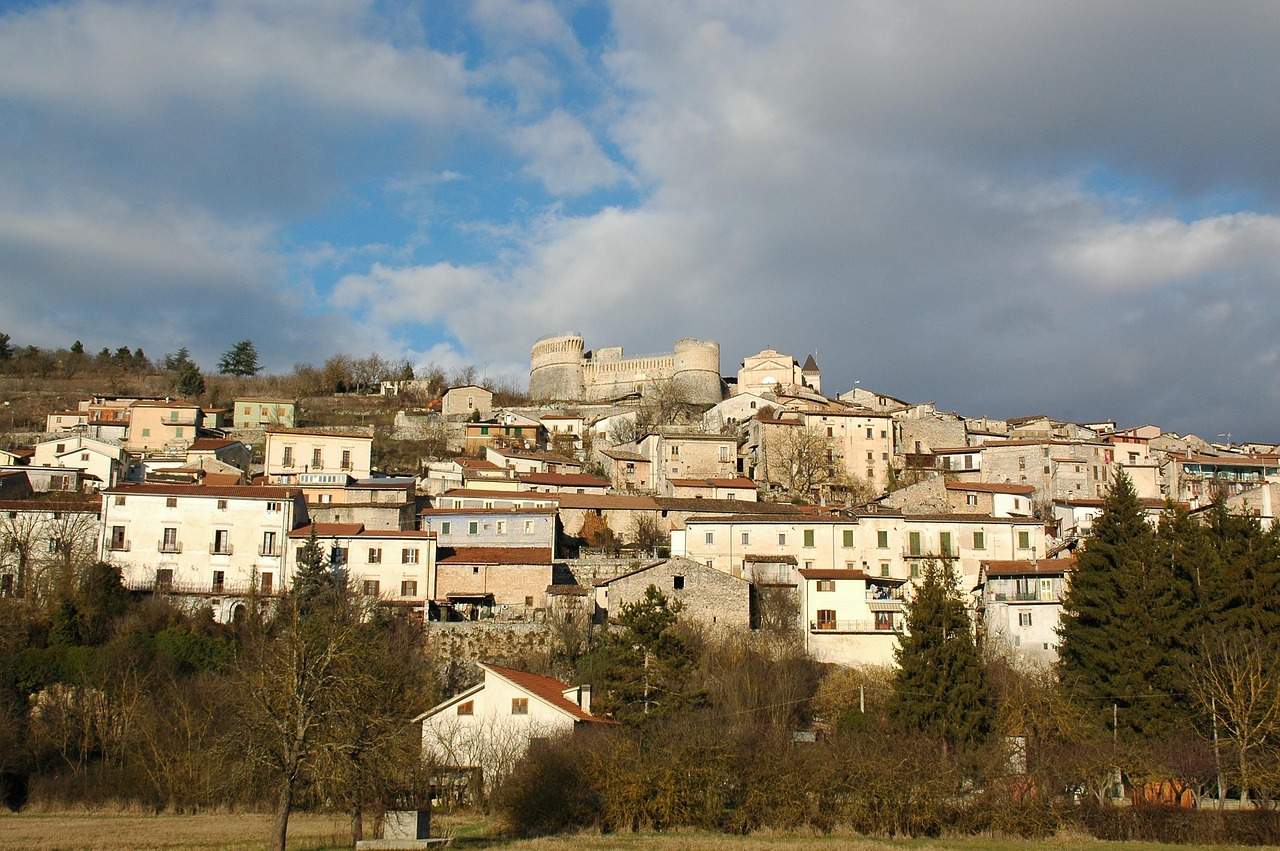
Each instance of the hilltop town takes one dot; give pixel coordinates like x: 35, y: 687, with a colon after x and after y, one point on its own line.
x: 519, y: 533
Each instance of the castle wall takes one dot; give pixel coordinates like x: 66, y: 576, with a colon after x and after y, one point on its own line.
x: 560, y: 369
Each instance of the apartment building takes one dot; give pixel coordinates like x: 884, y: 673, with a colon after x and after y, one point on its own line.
x: 255, y: 412
x: 678, y: 455
x: 299, y: 456
x: 102, y: 463
x: 491, y: 527
x: 1020, y: 604
x: 1058, y: 469
x: 163, y: 426
x: 848, y: 617
x: 475, y: 582
x: 396, y: 566
x: 216, y: 543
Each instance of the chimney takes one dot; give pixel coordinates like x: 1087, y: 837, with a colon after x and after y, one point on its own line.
x: 584, y: 697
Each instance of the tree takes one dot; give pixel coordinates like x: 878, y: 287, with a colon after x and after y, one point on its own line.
x: 140, y: 360
x: 123, y: 358
x: 6, y: 351
x: 940, y: 687
x: 296, y: 678
x: 241, y: 359
x: 798, y: 457
x: 77, y: 348
x: 177, y: 360
x: 190, y: 382
x: 1236, y: 682
x: 315, y: 580
x: 647, y: 534
x: 648, y: 665
x: 1124, y: 618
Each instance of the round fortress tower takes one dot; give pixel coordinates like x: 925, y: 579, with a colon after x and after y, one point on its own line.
x: 555, y: 367
x: 697, y: 370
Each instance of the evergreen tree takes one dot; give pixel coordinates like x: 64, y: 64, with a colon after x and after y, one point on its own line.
x: 77, y: 348
x: 123, y: 358
x: 940, y: 686
x: 240, y: 359
x: 190, y: 382
x: 104, y: 357
x: 6, y: 351
x: 140, y: 360
x: 647, y: 665
x: 1123, y: 618
x: 315, y: 579
x: 177, y: 360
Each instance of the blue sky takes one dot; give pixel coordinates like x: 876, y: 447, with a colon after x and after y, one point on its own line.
x: 1003, y: 207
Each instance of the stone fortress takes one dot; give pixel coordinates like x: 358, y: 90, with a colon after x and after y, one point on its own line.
x: 561, y: 368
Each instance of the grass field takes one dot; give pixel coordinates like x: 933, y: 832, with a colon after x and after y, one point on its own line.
x: 102, y: 831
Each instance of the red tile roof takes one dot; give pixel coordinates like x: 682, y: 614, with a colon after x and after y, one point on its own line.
x: 357, y: 530
x: 525, y: 509
x: 464, y: 493
x: 1023, y: 567
x: 208, y: 444
x: 992, y: 487
x: 548, y: 689
x: 234, y: 491
x: 476, y: 463
x: 319, y: 432
x: 494, y: 555
x: 568, y: 480
x: 831, y: 573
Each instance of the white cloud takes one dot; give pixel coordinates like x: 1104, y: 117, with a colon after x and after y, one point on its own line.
x: 565, y: 156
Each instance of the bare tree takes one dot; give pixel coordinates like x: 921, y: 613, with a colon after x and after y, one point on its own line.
x: 800, y: 458
x: 1236, y: 681
x: 646, y: 532
x: 622, y: 430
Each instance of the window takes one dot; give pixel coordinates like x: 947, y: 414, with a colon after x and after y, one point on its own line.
x: 1024, y: 540
x: 346, y: 459
x: 745, y: 538
x: 884, y: 620
x: 808, y: 538
x: 222, y: 505
x: 944, y: 543
x: 317, y: 459
x: 979, y: 539
x: 169, y: 541
x: 826, y: 585
x: 1022, y: 463
x: 847, y: 537
x: 444, y: 528
x: 268, y: 543
x: 830, y: 432
x: 369, y: 587
x: 1024, y: 618
x: 118, y: 541
x: 826, y: 618
x: 219, y: 581
x: 501, y: 527
x: 782, y: 539
x: 913, y: 543
x: 266, y: 583
x: 528, y: 527
x: 1046, y: 469
x: 473, y: 527
x: 375, y: 555
x: 709, y: 537
x: 177, y: 432
x: 869, y: 433
x: 273, y: 506
x: 288, y: 456
x: 971, y: 499
x: 519, y: 706
x: 675, y: 451
x: 164, y: 579
x: 221, y: 542
x: 119, y: 500
x: 884, y: 568
x: 409, y: 588
x: 915, y: 571
x: 146, y: 432
x: 724, y: 454
x: 882, y: 539
x: 467, y: 707
x: 409, y: 555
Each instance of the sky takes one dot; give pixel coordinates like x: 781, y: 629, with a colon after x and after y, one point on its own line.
x: 1004, y: 207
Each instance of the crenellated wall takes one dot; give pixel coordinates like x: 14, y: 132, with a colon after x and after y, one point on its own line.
x: 561, y: 368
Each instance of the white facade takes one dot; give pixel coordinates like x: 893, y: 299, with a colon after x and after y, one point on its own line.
x: 298, y: 456
x: 397, y: 567
x: 1022, y: 607
x: 201, y: 540
x: 848, y: 618
x: 101, y: 459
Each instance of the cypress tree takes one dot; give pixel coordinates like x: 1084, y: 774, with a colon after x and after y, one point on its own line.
x: 940, y: 687
x: 315, y: 580
x: 1122, y: 617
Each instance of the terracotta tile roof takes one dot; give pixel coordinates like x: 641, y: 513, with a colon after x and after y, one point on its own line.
x: 1229, y: 460
x: 494, y: 555
x: 1096, y: 502
x: 265, y: 399
x: 560, y: 416
x: 570, y: 480
x: 174, y: 404
x: 208, y: 444
x: 545, y: 688
x: 220, y: 479
x: 973, y: 518
x: 537, y: 455
x: 476, y: 463
x: 1026, y: 567
x: 355, y: 435
x: 528, y: 496
x: 40, y: 504
x: 524, y: 509
x: 991, y: 487
x: 831, y: 573
x: 567, y: 591
x: 737, y: 482
x: 232, y: 491
x: 734, y: 506
x: 607, y: 501
x: 623, y: 455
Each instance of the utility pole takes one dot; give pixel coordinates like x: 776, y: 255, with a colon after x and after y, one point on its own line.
x: 862, y: 703
x: 1217, y: 758
x: 1114, y: 723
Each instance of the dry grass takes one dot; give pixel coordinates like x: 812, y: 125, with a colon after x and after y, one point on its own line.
x: 95, y: 830
x: 103, y: 831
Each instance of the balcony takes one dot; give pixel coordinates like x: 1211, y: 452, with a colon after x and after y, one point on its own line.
x: 264, y: 550
x: 854, y: 626
x: 171, y: 547
x: 1024, y: 596
x: 936, y: 555
x: 198, y: 589
x: 119, y: 546
x: 226, y: 549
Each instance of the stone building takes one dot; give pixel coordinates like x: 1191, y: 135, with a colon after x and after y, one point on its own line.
x: 706, y: 595
x: 561, y: 368
x: 769, y: 370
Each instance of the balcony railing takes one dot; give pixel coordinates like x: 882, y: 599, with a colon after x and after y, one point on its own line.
x: 169, y: 546
x: 853, y: 626
x: 896, y: 595
x: 1024, y: 596
x: 226, y: 550
x: 119, y: 546
x: 936, y: 555
x: 209, y: 589
x: 264, y: 550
